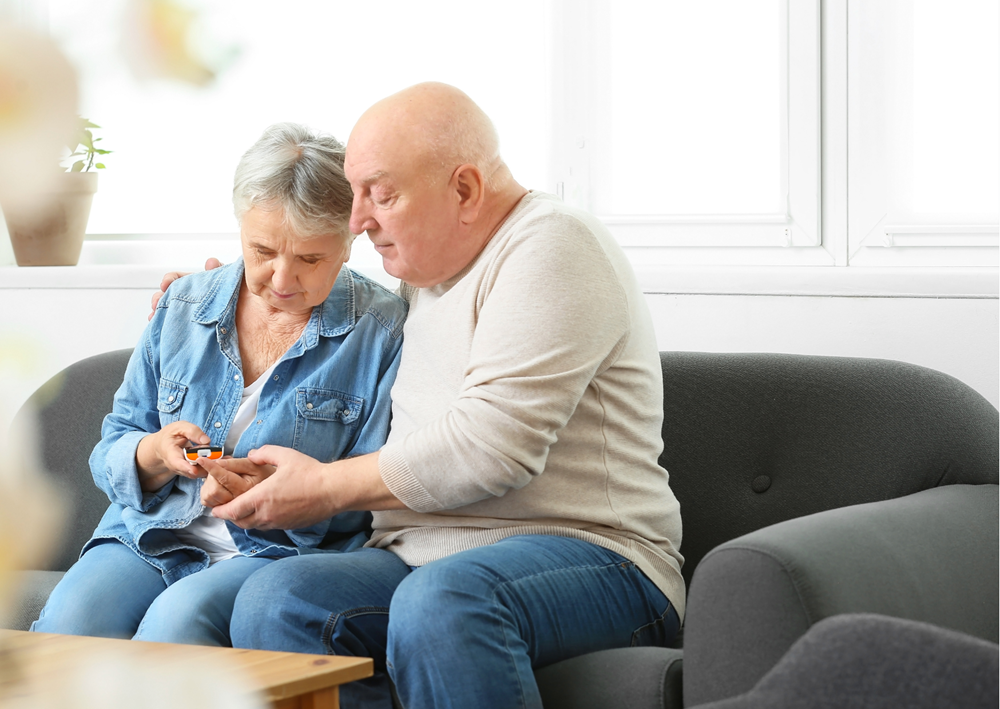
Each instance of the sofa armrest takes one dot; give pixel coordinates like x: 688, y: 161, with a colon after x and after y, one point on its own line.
x: 33, y: 589
x: 930, y: 557
x: 624, y: 678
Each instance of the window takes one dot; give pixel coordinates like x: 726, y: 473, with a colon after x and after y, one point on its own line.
x: 924, y: 183
x: 745, y: 132
x: 176, y: 144
x: 696, y: 124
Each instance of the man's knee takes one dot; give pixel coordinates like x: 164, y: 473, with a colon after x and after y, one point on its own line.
x: 448, y: 591
x: 314, y: 601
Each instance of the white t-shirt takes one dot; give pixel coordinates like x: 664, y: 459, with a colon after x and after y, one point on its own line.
x: 211, y: 533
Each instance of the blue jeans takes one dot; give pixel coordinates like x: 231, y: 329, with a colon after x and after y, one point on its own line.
x: 112, y: 592
x: 464, y: 631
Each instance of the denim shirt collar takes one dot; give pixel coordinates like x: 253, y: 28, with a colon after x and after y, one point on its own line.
x: 333, y: 317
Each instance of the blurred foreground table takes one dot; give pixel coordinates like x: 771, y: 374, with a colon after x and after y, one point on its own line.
x: 287, y: 680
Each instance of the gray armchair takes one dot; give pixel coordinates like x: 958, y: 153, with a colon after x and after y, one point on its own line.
x: 810, y: 488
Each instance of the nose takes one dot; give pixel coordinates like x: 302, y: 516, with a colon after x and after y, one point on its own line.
x: 283, y: 278
x: 361, y: 216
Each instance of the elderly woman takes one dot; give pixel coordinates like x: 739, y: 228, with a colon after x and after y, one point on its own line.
x: 284, y: 346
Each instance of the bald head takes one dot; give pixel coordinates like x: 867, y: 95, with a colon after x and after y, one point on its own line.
x: 429, y: 186
x: 439, y: 127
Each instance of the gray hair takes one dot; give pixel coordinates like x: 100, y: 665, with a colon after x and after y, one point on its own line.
x: 300, y: 172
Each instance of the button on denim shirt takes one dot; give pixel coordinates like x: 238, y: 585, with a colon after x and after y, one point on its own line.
x: 328, y: 397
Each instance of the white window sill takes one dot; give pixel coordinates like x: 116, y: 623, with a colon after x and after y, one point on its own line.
x: 113, y: 264
x: 828, y: 281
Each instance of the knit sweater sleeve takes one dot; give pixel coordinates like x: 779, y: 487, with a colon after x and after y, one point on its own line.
x: 550, y: 315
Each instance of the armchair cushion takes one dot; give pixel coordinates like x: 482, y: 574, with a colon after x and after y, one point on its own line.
x: 752, y: 597
x: 875, y: 662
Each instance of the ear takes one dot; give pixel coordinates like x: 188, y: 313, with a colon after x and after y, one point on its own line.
x: 470, y: 187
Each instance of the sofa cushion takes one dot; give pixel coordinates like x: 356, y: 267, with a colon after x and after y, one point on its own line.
x: 753, y: 439
x: 626, y: 678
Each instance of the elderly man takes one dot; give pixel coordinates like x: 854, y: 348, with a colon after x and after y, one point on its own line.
x: 521, y: 517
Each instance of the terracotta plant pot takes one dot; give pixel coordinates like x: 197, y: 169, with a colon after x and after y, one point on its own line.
x: 52, y: 234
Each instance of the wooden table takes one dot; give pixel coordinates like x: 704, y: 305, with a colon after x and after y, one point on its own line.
x: 288, y: 680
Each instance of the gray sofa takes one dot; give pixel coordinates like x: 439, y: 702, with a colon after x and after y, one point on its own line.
x: 811, y: 488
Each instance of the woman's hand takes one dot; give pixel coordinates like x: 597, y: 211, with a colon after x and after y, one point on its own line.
x: 170, y: 278
x: 229, y: 478
x: 160, y: 456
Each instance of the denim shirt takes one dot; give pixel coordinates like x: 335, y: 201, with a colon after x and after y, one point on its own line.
x: 328, y: 397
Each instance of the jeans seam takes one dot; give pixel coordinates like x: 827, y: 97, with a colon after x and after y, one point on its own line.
x: 659, y: 621
x: 506, y: 643
x: 138, y: 631
x: 548, y: 572
x: 331, y: 623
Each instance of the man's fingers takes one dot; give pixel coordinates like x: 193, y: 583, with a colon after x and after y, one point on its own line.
x: 268, y: 455
x: 240, y: 466
x: 212, y: 262
x: 241, y: 511
x: 235, y: 484
x: 153, y: 303
x: 169, y: 278
x: 165, y: 282
x: 213, y: 493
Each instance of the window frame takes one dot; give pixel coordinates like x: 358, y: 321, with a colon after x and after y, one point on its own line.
x: 581, y: 45
x: 876, y: 235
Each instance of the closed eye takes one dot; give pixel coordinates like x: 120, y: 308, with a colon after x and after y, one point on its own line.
x: 383, y: 199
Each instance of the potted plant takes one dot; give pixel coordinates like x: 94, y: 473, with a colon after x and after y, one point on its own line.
x: 51, y: 232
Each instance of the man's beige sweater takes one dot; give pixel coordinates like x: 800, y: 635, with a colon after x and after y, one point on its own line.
x: 529, y: 400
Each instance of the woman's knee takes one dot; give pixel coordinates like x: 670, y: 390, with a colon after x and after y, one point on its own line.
x: 106, y: 593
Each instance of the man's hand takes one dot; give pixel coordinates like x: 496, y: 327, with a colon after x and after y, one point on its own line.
x: 169, y: 278
x: 294, y: 496
x: 229, y: 478
x: 160, y: 456
x: 303, y: 491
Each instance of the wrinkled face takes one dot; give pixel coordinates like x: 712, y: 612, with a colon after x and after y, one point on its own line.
x: 289, y: 272
x: 411, y: 216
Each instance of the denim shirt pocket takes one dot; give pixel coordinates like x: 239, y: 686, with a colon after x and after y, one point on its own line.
x: 168, y: 401
x: 325, y: 420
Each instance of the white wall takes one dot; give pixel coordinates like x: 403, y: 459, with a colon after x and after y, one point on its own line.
x: 958, y: 336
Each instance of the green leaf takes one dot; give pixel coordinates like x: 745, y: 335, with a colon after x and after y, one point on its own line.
x: 87, y: 139
x: 102, y: 152
x: 84, y: 123
x: 77, y: 166
x: 99, y: 165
